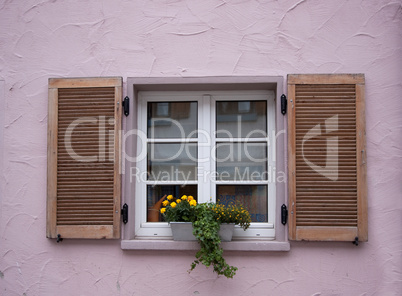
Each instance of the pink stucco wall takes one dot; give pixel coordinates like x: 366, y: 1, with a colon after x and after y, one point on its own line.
x: 42, y: 39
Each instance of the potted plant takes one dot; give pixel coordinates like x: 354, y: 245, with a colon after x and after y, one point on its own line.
x: 180, y: 213
x: 206, y: 220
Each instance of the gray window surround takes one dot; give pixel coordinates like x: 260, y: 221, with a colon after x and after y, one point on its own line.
x: 211, y: 83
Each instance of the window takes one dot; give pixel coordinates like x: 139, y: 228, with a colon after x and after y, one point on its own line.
x: 218, y: 146
x: 212, y: 108
x: 219, y: 138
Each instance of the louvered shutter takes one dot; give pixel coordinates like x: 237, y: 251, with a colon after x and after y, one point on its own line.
x: 327, y: 157
x: 84, y: 121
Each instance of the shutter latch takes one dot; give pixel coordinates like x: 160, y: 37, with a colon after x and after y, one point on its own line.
x: 126, y: 106
x: 59, y: 238
x: 284, y: 104
x: 284, y: 214
x: 356, y: 241
x: 124, y: 213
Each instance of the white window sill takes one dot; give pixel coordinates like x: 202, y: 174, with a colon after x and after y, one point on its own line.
x: 249, y: 245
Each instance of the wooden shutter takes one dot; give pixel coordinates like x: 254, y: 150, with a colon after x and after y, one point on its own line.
x: 327, y: 157
x: 83, y: 195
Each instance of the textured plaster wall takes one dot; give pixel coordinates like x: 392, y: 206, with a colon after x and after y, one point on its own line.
x: 42, y: 39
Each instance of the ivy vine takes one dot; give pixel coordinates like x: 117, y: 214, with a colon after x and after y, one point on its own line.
x: 206, y: 231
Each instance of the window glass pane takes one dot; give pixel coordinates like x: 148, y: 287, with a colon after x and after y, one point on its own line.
x: 172, y: 120
x: 241, y: 161
x: 155, y: 198
x: 240, y: 119
x: 252, y: 197
x: 172, y: 162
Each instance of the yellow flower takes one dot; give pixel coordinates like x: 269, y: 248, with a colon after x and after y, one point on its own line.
x: 173, y: 204
x: 184, y: 197
x: 190, y: 198
x: 170, y: 197
x: 178, y: 201
x: 163, y: 210
x: 193, y: 203
x: 165, y: 203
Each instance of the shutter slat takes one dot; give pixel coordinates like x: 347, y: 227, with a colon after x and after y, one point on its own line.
x: 85, y: 189
x: 323, y: 157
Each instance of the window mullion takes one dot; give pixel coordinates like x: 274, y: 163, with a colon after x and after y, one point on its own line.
x: 212, y: 151
x: 204, y: 148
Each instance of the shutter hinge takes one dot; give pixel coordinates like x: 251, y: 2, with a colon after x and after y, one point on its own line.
x: 356, y: 241
x: 126, y: 106
x: 124, y: 213
x: 284, y: 104
x: 284, y: 214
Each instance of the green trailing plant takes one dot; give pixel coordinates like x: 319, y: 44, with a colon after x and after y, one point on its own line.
x: 206, y: 219
x: 206, y: 231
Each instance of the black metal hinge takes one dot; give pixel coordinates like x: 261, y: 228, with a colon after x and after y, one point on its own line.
x: 284, y: 214
x: 124, y: 213
x: 126, y: 106
x: 284, y: 104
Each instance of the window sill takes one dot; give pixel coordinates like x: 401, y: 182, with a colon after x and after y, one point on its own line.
x: 171, y: 245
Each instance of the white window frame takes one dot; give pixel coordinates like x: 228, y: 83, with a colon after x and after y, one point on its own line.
x: 206, y: 188
x: 130, y: 239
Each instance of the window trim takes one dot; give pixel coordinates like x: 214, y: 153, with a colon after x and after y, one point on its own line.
x: 136, y: 84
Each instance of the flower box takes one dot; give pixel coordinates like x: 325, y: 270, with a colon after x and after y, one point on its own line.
x: 226, y: 231
x: 183, y: 231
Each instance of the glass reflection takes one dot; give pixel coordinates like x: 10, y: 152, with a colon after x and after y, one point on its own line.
x: 252, y: 197
x: 172, y: 162
x: 172, y: 120
x: 241, y: 119
x: 241, y: 161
